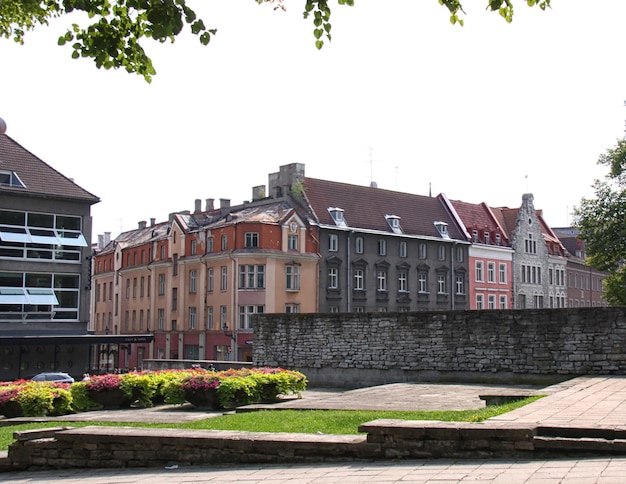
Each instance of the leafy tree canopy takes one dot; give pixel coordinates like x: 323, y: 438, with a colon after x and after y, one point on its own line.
x: 601, y: 222
x: 113, y: 30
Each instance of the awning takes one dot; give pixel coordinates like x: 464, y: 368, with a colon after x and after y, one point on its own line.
x: 78, y: 339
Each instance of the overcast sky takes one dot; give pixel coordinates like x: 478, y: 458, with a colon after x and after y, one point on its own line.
x: 484, y: 112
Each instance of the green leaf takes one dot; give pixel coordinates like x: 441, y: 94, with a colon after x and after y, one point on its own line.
x: 318, y: 33
x: 319, y: 44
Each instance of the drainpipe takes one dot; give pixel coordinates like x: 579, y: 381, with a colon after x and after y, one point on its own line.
x: 348, y: 271
x: 452, y: 279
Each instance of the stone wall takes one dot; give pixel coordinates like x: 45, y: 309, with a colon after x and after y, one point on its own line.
x: 522, y: 346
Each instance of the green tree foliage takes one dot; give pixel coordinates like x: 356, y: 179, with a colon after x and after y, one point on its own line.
x: 113, y: 30
x: 601, y: 222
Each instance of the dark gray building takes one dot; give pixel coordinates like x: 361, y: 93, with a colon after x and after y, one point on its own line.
x: 380, y: 250
x: 45, y: 232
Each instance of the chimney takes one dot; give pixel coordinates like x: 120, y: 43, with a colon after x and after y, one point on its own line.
x: 107, y: 238
x: 224, y: 203
x: 100, y: 241
x: 141, y: 225
x: 197, y: 206
x: 152, y: 222
x: 209, y: 204
x: 258, y: 193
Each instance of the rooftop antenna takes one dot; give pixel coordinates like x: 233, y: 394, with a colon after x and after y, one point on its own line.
x: 371, y: 162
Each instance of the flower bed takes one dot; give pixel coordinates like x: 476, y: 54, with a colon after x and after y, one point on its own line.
x: 202, y: 388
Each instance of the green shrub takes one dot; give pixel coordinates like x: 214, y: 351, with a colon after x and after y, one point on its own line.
x: 139, y: 386
x: 80, y: 395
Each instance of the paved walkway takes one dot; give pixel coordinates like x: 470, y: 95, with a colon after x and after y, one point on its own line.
x: 581, y: 402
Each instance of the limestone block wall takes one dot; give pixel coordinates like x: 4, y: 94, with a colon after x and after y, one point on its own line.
x: 355, y: 349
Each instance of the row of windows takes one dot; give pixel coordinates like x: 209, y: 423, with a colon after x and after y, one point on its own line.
x: 381, y: 282
x: 39, y: 296
x: 333, y: 246
x: 538, y: 301
x: 491, y: 301
x: 491, y: 272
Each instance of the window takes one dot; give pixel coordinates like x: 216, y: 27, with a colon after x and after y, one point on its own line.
x: 209, y: 317
x: 292, y: 277
x: 142, y: 286
x: 160, y: 319
x: 134, y: 320
x: 193, y: 248
x: 491, y: 301
x: 163, y: 252
x: 381, y: 280
x: 252, y: 239
x: 10, y: 178
x: 223, y: 319
x: 441, y: 252
x: 28, y: 297
x: 402, y: 248
x: 161, y: 284
x: 141, y: 320
x: 175, y: 265
x: 333, y: 278
x: 224, y: 242
x: 480, y: 302
x: 192, y: 317
x: 127, y: 288
x: 134, y: 287
x: 358, y: 245
x: 460, y: 254
x: 382, y: 247
x: 503, y: 303
x: 193, y: 281
x: 486, y: 235
x: 441, y: 284
x: 251, y: 276
x: 337, y: 215
x: 491, y: 272
x: 292, y: 308
x: 110, y: 290
x: 333, y: 309
x: 422, y: 251
x: 333, y: 243
x: 422, y: 282
x: 210, y: 244
x: 224, y: 279
x: 403, y: 282
x: 174, y: 298
x: 460, y: 284
x: 502, y: 272
x: 359, y: 279
x: 126, y: 321
x: 479, y: 271
x: 292, y: 242
x: 244, y: 315
x: 530, y: 245
x: 104, y: 295
x: 210, y: 279
x: 174, y: 325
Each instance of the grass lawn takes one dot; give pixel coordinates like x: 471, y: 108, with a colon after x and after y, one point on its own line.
x: 303, y: 421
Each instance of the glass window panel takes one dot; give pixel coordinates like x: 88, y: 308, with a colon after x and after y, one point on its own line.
x: 12, y: 218
x: 69, y: 223
x: 14, y: 234
x: 39, y: 280
x: 65, y: 281
x: 74, y: 239
x: 67, y: 299
x: 12, y: 296
x: 11, y: 279
x: 42, y: 296
x: 40, y: 220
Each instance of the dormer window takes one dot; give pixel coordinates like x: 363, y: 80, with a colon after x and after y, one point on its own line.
x: 498, y: 239
x: 442, y: 228
x: 10, y: 179
x: 337, y: 215
x: 394, y: 223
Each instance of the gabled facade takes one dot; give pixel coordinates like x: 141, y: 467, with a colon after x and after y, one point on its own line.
x: 380, y: 250
x: 539, y: 262
x: 196, y: 281
x: 490, y: 255
x: 45, y: 279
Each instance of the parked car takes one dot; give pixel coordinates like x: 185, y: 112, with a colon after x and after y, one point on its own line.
x: 54, y: 376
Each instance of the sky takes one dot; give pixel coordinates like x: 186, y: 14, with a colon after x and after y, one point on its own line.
x: 482, y: 113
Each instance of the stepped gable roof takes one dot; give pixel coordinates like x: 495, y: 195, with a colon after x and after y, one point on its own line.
x: 273, y: 213
x: 366, y: 207
x: 39, y: 178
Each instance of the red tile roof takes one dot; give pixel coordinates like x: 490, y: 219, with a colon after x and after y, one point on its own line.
x: 366, y: 207
x: 40, y: 178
